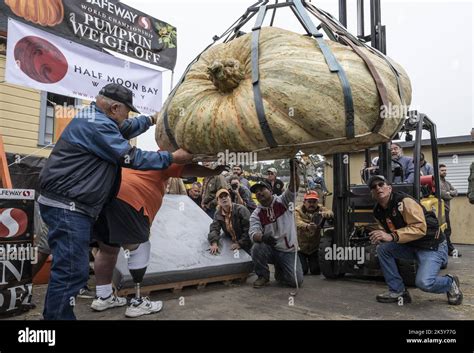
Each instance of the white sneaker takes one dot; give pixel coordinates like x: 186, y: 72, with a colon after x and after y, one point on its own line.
x: 112, y: 301
x: 86, y: 293
x: 143, y: 307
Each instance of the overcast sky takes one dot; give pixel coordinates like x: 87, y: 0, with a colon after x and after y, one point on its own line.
x: 431, y: 39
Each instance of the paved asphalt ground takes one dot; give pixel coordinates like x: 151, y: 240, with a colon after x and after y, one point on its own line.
x: 319, y: 299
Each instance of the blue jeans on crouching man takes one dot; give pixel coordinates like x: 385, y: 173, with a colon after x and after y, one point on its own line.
x: 284, y: 262
x: 429, y: 265
x: 69, y: 237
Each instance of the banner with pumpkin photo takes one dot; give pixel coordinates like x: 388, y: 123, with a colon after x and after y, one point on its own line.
x: 101, y: 24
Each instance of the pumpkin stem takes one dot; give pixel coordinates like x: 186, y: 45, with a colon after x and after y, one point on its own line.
x: 226, y: 74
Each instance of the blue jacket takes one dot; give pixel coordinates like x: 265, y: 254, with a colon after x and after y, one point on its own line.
x: 427, y: 169
x: 84, y: 168
x: 408, y: 170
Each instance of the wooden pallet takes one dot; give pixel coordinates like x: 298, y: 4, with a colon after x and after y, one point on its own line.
x: 178, y: 286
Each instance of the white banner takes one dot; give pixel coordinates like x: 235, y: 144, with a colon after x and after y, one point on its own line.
x: 49, y: 63
x: 17, y: 194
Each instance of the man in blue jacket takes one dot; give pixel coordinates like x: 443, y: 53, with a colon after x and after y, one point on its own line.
x: 82, y: 173
x: 406, y: 163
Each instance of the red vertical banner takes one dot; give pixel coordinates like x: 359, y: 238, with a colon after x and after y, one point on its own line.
x: 17, y: 253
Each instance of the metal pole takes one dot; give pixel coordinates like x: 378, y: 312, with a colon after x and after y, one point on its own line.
x: 416, y: 156
x: 385, y: 161
x: 368, y: 160
x: 360, y: 18
x: 434, y: 152
x: 373, y: 24
x: 343, y: 12
x: 377, y: 31
x: 273, y: 15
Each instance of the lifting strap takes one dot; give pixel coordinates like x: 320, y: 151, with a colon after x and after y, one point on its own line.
x: 237, y: 24
x: 257, y: 94
x: 348, y: 39
x: 168, y: 131
x: 333, y: 65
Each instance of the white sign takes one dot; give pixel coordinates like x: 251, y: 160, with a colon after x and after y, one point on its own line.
x: 17, y: 194
x: 40, y: 60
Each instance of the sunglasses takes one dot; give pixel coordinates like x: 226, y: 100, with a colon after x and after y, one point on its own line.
x: 380, y: 184
x: 270, y: 173
x: 223, y: 196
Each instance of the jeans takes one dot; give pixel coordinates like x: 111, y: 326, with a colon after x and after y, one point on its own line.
x: 310, y: 262
x: 429, y: 264
x: 69, y: 236
x: 263, y: 254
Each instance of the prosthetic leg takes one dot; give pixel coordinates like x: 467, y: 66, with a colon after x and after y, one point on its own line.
x: 137, y: 265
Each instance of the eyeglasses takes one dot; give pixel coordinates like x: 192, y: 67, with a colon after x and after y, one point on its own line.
x: 223, y: 196
x: 380, y: 184
x: 270, y: 173
x: 311, y: 200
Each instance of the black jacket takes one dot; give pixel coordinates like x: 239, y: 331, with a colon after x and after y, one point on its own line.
x: 240, y: 222
x: 277, y: 187
x: 433, y: 237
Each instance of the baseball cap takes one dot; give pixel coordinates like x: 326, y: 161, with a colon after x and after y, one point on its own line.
x: 258, y: 184
x: 273, y: 170
x: 312, y: 195
x: 221, y: 191
x: 120, y: 94
x: 377, y: 178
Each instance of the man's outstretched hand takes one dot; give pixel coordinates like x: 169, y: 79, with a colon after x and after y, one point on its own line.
x: 269, y: 240
x: 182, y: 157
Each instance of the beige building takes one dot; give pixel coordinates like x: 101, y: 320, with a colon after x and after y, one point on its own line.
x: 457, y: 153
x: 22, y: 115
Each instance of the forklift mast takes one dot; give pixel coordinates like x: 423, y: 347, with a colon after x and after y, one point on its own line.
x: 377, y: 39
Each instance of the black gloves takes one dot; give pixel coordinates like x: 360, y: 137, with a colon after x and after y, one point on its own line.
x: 269, y: 240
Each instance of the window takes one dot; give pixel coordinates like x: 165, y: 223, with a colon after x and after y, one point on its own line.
x: 458, y: 170
x: 47, y: 121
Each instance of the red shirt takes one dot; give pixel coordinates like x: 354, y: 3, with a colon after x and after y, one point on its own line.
x: 146, y: 188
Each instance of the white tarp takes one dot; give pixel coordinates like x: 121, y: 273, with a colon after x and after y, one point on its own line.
x: 180, y: 249
x: 40, y: 60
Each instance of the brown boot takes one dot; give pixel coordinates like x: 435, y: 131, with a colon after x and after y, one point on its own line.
x: 261, y: 282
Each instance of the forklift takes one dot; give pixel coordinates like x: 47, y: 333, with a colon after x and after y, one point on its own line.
x: 353, y: 205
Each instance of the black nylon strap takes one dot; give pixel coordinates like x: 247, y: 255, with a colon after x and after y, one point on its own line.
x: 257, y: 94
x: 348, y: 39
x: 166, y: 125
x: 394, y: 70
x: 333, y: 65
x: 168, y: 131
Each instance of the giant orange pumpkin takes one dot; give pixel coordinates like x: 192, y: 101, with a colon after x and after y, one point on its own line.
x: 213, y: 109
